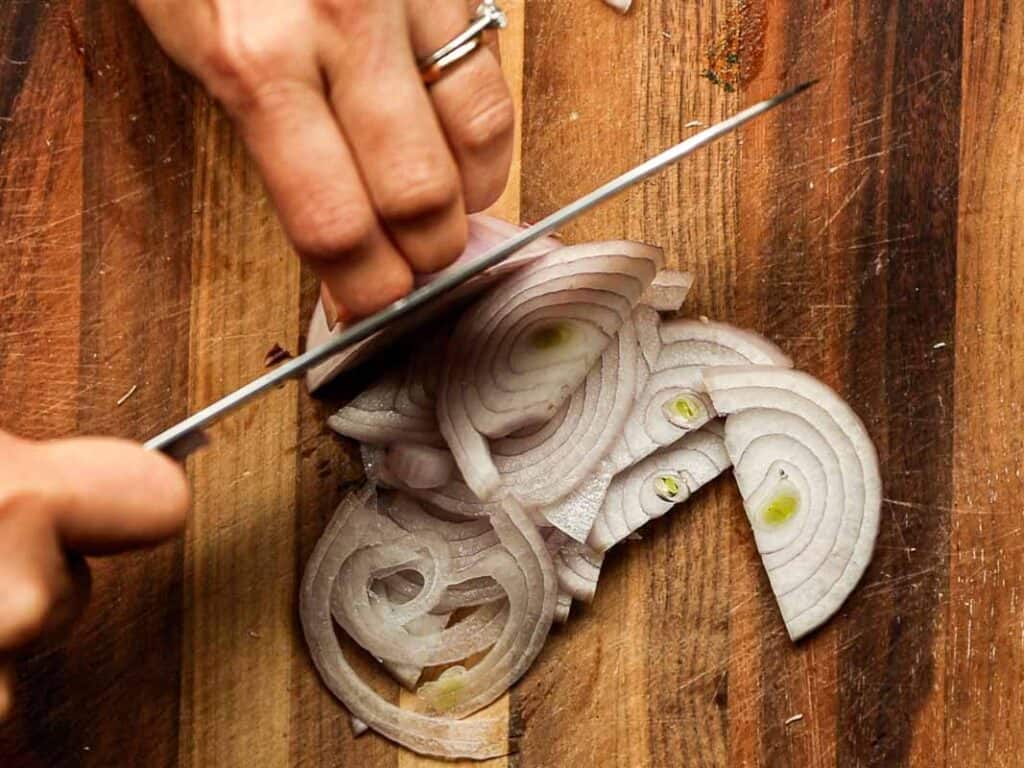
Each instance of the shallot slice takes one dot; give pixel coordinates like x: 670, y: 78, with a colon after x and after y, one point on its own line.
x: 668, y: 291
x: 649, y: 489
x: 622, y: 6
x: 578, y: 568
x: 670, y: 405
x: 562, y: 607
x: 400, y: 406
x: 809, y: 477
x: 543, y: 465
x: 355, y: 544
x: 420, y: 466
x: 485, y: 232
x: 520, y: 352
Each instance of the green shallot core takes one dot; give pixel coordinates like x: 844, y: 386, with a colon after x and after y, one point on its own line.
x: 781, y: 507
x: 683, y: 408
x: 667, y: 487
x: 551, y: 336
x: 442, y: 695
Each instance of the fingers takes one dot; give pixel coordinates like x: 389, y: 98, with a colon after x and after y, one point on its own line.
x: 42, y: 590
x: 39, y: 591
x: 472, y: 102
x: 58, y: 500
x: 261, y: 64
x: 108, y: 495
x: 97, y: 495
x: 389, y: 122
x: 316, y: 188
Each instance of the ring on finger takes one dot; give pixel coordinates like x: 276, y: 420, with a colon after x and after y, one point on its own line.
x: 488, y: 16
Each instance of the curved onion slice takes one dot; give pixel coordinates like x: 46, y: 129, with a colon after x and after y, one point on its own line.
x: 652, y: 487
x: 454, y: 496
x: 647, y: 322
x: 578, y: 568
x: 400, y: 407
x: 671, y: 404
x: 521, y: 351
x: 668, y: 291
x: 808, y: 474
x: 485, y: 232
x: 420, y: 466
x: 350, y: 545
x: 619, y: 5
x: 542, y: 465
x: 562, y: 607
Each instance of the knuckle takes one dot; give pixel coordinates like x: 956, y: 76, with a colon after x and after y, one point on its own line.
x: 328, y: 230
x: 26, y: 605
x: 490, y: 119
x: 386, y: 288
x: 440, y: 248
x: 242, y: 69
x: 346, y: 15
x: 420, y: 188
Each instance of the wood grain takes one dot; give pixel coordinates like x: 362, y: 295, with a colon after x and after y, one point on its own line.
x: 984, y: 657
x: 872, y: 229
x: 240, y: 570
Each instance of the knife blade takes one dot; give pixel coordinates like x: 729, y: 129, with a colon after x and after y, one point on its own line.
x: 186, y: 436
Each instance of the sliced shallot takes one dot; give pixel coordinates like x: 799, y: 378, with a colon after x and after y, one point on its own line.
x: 541, y: 465
x: 519, y: 353
x: 485, y: 232
x: 809, y: 477
x: 649, y: 489
x: 359, y: 545
x: 421, y: 466
x: 400, y: 407
x: 671, y: 404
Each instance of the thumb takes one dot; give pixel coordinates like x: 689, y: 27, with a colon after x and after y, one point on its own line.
x: 106, y: 495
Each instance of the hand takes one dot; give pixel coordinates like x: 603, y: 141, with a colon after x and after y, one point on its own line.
x: 371, y: 173
x: 60, y: 501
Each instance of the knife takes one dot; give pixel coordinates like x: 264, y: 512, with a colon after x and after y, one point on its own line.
x: 186, y: 436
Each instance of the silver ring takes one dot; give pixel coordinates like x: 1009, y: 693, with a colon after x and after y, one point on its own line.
x: 488, y: 16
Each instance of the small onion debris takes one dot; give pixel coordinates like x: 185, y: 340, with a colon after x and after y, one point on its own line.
x: 544, y: 414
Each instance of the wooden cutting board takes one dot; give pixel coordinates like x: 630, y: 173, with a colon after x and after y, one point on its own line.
x: 873, y: 229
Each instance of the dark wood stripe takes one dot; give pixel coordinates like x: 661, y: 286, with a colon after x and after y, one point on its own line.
x: 888, y: 641
x: 124, y: 668
x: 40, y: 201
x: 18, y: 27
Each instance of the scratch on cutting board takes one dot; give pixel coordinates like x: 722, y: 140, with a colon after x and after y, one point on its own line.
x: 124, y: 398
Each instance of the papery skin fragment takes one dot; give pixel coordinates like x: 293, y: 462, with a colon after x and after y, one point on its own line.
x: 668, y: 290
x: 622, y: 6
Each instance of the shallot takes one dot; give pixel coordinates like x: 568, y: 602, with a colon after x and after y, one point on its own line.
x: 531, y: 431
